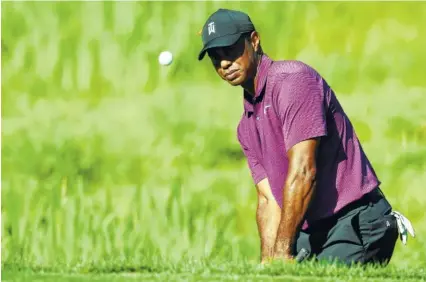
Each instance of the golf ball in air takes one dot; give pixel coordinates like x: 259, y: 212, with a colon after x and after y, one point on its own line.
x: 165, y: 58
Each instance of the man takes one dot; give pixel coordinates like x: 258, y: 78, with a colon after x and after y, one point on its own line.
x: 316, y: 188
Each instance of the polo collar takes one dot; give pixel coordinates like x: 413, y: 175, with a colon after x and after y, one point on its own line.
x: 262, y: 74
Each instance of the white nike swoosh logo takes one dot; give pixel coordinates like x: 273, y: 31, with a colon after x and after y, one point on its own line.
x: 264, y: 110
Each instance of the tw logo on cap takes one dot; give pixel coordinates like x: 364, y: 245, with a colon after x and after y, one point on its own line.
x: 211, y: 28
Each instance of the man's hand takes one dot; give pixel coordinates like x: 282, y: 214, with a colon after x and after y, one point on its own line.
x: 298, y: 191
x: 283, y: 257
x: 280, y: 259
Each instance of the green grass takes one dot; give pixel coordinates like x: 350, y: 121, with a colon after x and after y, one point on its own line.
x: 111, y: 162
x: 216, y: 270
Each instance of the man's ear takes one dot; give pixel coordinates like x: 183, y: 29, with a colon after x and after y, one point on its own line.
x: 255, y: 40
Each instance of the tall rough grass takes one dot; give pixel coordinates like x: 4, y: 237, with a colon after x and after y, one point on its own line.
x: 105, y: 154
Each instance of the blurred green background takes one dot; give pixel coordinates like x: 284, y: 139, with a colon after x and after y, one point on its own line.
x: 106, y: 154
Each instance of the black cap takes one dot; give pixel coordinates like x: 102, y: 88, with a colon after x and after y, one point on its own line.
x: 223, y: 28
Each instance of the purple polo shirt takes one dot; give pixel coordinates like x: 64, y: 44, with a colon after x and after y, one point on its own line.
x: 294, y: 103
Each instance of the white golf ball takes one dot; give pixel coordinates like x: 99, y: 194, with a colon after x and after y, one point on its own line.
x: 165, y: 58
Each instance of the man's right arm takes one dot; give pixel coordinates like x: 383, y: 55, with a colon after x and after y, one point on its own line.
x: 268, y: 213
x: 268, y: 217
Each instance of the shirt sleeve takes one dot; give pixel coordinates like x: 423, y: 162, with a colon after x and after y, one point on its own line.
x: 301, y: 108
x: 257, y: 171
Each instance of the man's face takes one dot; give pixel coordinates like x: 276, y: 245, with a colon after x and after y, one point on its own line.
x: 235, y: 64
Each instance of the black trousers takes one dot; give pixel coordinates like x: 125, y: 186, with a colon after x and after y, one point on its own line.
x: 363, y: 232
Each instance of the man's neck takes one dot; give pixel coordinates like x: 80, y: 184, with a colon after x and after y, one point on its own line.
x: 250, y: 85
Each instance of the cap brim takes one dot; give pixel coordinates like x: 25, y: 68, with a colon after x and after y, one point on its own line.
x: 223, y: 41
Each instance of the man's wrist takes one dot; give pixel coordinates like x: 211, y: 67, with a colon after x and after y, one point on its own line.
x: 283, y: 249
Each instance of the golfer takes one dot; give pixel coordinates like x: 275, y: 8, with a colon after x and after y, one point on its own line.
x: 316, y: 188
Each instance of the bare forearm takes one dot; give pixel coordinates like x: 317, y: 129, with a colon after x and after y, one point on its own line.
x: 268, y: 218
x: 297, y: 196
x: 298, y: 191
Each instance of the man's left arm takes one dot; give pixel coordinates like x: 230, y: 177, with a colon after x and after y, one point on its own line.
x: 301, y: 107
x: 298, y: 191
